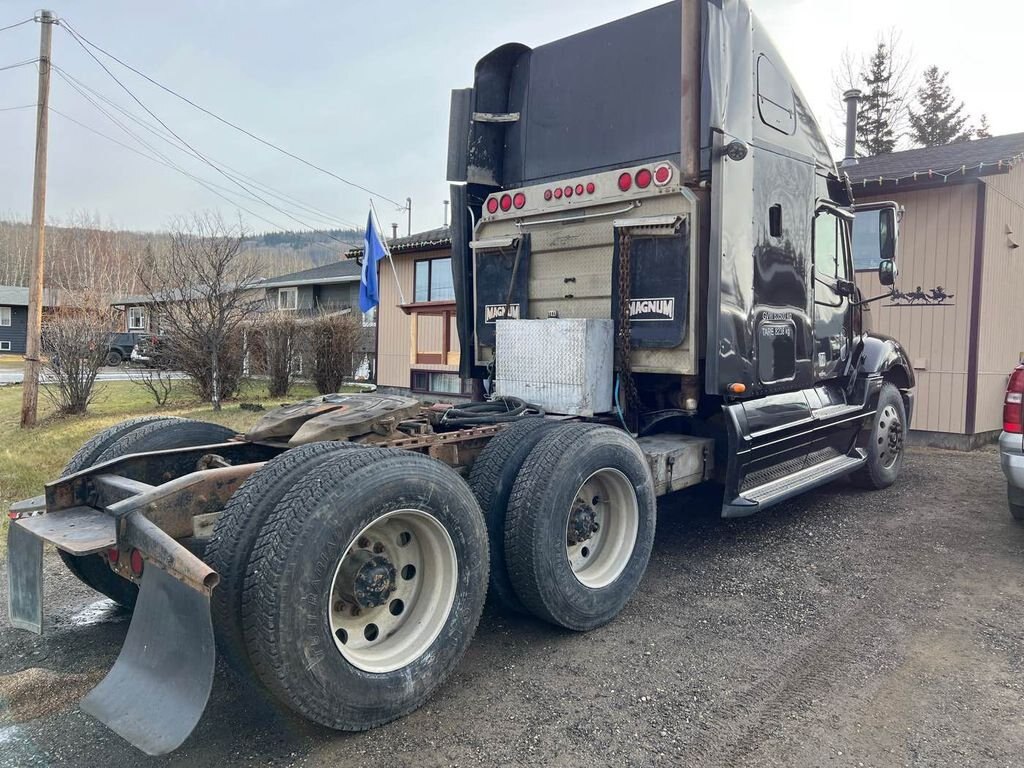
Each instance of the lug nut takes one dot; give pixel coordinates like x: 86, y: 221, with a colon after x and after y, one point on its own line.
x: 363, y: 542
x: 378, y: 548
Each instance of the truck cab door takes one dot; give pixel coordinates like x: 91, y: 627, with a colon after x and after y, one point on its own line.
x: 833, y: 292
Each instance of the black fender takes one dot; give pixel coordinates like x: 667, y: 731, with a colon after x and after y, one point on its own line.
x: 883, y: 358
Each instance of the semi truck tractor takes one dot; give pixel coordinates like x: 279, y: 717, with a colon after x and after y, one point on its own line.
x: 654, y: 289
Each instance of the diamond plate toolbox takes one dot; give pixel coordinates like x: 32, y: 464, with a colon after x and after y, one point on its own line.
x: 563, y: 365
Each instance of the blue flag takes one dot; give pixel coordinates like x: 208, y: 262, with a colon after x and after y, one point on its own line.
x: 373, y: 251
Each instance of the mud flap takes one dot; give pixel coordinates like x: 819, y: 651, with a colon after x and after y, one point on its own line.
x: 157, y: 689
x: 24, y: 579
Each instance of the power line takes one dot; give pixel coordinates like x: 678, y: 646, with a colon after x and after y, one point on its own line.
x: 318, y: 213
x: 170, y: 165
x: 194, y: 151
x: 80, y: 39
x: 18, y: 24
x: 23, y: 106
x: 19, y: 64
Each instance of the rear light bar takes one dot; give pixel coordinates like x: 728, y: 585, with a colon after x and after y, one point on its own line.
x: 601, y: 188
x: 1013, y: 403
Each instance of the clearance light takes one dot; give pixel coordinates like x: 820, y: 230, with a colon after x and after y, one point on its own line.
x: 113, y: 554
x: 492, y: 205
x: 136, y: 562
x: 518, y: 200
x: 558, y: 193
x: 662, y: 174
x: 625, y: 182
x: 567, y: 191
x: 590, y: 187
x: 547, y: 194
x: 506, y: 202
x: 643, y: 178
x: 737, y: 388
x: 579, y: 189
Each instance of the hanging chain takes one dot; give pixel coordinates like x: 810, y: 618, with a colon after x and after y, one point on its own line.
x: 625, y: 330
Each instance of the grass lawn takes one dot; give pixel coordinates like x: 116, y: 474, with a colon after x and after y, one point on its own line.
x: 30, y: 458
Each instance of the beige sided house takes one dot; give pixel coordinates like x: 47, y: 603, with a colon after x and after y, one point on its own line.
x: 417, y: 342
x: 957, y: 307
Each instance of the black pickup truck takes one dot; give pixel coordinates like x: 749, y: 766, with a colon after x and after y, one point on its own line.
x: 119, y: 347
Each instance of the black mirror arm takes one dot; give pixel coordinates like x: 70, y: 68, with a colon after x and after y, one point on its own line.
x: 861, y: 302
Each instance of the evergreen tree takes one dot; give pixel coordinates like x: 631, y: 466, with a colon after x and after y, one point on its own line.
x: 984, y: 130
x: 877, y: 116
x: 940, y: 119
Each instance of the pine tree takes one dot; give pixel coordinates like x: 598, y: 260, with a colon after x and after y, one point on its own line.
x: 940, y: 119
x: 876, y: 116
x: 984, y: 130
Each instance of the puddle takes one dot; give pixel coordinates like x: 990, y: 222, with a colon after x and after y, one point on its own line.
x: 9, y: 734
x: 101, y: 612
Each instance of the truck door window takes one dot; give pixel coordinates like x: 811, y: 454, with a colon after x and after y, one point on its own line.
x: 829, y: 257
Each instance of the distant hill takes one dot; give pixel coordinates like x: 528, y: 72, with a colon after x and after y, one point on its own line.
x: 82, y: 247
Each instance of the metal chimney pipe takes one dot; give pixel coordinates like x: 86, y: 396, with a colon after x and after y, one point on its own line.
x: 394, y: 230
x: 851, y: 97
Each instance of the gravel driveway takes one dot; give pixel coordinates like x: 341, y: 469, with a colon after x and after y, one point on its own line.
x: 840, y: 629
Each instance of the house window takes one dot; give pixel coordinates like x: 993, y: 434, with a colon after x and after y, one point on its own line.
x: 436, y: 383
x: 136, y: 319
x: 434, y: 280
x: 5, y: 346
x: 288, y: 298
x: 5, y: 316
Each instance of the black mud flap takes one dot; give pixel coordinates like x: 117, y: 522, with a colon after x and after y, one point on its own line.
x: 24, y: 579
x: 157, y: 689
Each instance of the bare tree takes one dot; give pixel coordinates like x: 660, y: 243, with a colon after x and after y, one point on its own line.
x: 202, y: 290
x: 159, y: 382
x: 76, y: 338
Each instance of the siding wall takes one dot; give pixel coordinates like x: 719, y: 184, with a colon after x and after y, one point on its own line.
x: 15, y: 332
x: 394, y: 327
x: 936, y: 249
x: 1001, y: 337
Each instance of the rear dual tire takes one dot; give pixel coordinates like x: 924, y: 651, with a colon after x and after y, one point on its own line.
x: 364, y: 587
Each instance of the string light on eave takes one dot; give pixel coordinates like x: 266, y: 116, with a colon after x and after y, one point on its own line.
x: 946, y: 174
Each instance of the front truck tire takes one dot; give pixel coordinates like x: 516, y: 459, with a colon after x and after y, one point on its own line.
x: 885, y: 442
x: 580, y: 525
x: 365, y: 587
x: 149, y: 433
x: 235, y: 533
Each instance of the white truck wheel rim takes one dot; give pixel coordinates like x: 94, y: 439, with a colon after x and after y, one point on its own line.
x: 393, y: 590
x: 601, y: 530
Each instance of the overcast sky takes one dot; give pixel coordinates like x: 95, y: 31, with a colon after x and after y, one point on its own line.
x: 363, y: 89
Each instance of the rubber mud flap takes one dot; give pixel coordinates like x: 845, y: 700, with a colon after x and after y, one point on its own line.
x: 157, y: 689
x: 24, y: 579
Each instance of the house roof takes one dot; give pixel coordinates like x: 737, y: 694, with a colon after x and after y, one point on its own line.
x: 417, y: 241
x: 343, y: 271
x: 979, y: 157
x: 17, y: 296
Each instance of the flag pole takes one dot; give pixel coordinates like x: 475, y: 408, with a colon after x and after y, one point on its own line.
x: 387, y: 248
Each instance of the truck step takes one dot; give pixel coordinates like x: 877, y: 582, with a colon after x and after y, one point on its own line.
x: 755, y: 499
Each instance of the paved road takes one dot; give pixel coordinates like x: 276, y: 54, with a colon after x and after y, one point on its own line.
x: 841, y: 629
x: 105, y: 374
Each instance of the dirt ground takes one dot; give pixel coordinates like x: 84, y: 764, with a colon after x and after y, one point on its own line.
x: 841, y: 629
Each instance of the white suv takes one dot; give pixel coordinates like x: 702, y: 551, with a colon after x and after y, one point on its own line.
x: 1011, y: 443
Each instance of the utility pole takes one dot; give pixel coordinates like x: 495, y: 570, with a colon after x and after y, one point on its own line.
x: 408, y: 208
x: 30, y: 387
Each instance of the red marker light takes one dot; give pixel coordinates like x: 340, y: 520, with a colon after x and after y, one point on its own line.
x: 113, y: 554
x: 558, y: 193
x: 567, y: 191
x: 519, y: 200
x: 662, y: 175
x: 579, y: 189
x: 506, y: 202
x: 625, y: 182
x: 643, y: 178
x: 492, y: 205
x: 547, y: 194
x: 136, y: 562
x: 590, y: 187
